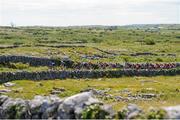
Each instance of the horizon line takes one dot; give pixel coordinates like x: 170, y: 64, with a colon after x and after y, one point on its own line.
x: 88, y: 25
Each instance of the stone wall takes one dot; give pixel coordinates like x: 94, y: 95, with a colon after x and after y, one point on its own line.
x: 46, y: 107
x: 33, y: 61
x: 80, y: 106
x: 40, y: 61
x: 49, y: 75
x: 61, y: 45
x: 8, y: 46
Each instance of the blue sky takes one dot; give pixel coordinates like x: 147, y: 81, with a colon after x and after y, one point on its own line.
x: 88, y: 12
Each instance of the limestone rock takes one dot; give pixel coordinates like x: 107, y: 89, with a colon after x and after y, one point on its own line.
x: 5, y: 90
x: 42, y: 106
x: 14, y: 108
x: 51, y: 111
x: 3, y: 98
x: 74, y: 105
x: 132, y: 111
x: 9, y: 84
x: 173, y: 112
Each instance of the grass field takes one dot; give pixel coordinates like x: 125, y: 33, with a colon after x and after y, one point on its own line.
x: 97, y: 44
x: 121, y: 41
x: 167, y: 89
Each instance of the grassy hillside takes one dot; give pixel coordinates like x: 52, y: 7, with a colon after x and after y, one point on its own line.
x: 128, y: 88
x: 95, y: 44
x: 122, y: 42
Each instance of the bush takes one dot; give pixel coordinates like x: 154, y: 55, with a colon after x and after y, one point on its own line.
x: 122, y: 114
x: 94, y: 112
x: 18, y: 66
x: 17, y: 43
x: 178, y: 37
x: 84, y: 40
x: 156, y: 114
x: 159, y: 59
x: 96, y: 40
x: 150, y: 42
x: 126, y: 58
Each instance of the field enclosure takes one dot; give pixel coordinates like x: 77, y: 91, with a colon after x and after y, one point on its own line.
x: 123, y: 64
x: 96, y: 44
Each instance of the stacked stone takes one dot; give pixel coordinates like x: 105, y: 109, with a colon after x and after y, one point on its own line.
x: 100, y: 65
x: 151, y: 65
x: 106, y: 65
x: 133, y: 111
x: 34, y: 61
x: 10, y: 46
x: 49, y: 75
x: 38, y: 61
x: 46, y: 107
x: 79, y: 106
x: 61, y: 45
x: 145, y: 53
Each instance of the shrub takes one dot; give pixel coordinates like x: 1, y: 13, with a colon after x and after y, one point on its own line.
x: 17, y: 43
x: 159, y: 59
x: 84, y: 40
x: 178, y: 37
x: 150, y: 42
x: 18, y: 66
x: 156, y: 114
x: 16, y: 111
x: 94, y: 112
x: 126, y: 58
x: 96, y: 40
x: 8, y: 37
x: 122, y: 114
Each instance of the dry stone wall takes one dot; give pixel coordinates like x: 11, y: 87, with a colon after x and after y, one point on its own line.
x: 80, y: 106
x: 40, y: 61
x: 49, y: 75
x: 33, y: 61
x: 46, y: 107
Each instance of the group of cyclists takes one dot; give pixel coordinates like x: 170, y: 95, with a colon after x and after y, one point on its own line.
x: 104, y: 65
x: 99, y: 65
x: 150, y: 66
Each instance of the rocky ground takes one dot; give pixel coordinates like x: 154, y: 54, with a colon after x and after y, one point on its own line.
x: 54, y: 62
x: 84, y: 105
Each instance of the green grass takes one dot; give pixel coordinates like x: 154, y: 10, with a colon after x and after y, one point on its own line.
x: 123, y: 41
x: 29, y: 69
x: 120, y: 40
x: 168, y: 87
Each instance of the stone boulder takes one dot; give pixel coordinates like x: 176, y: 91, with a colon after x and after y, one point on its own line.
x: 73, y: 106
x: 44, y: 106
x: 14, y: 108
x: 132, y: 111
x: 173, y: 112
x: 9, y: 84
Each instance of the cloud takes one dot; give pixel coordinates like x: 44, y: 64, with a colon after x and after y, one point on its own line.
x: 77, y: 12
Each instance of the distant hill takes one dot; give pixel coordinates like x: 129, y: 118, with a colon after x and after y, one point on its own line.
x: 113, y: 27
x: 153, y: 26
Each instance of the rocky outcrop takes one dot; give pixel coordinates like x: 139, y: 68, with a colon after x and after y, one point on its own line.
x: 72, y: 107
x: 173, y: 112
x: 80, y: 106
x: 132, y: 111
x: 46, y: 107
